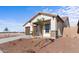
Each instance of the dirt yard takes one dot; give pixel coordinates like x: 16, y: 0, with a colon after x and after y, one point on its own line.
x: 69, y: 43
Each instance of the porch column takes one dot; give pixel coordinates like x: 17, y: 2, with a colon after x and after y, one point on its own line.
x: 53, y: 28
x: 31, y: 27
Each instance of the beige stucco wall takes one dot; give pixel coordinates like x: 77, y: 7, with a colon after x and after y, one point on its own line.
x: 53, y: 24
x: 28, y: 24
x: 53, y: 28
x: 60, y: 28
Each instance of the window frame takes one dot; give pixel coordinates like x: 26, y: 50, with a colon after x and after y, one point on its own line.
x: 48, y: 27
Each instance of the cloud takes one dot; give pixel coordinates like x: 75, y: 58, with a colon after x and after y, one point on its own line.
x: 12, y: 25
x: 71, y: 11
x: 47, y: 10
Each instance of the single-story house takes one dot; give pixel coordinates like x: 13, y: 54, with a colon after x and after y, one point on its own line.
x: 53, y: 25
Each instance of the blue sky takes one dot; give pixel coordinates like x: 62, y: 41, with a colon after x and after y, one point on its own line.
x: 14, y: 17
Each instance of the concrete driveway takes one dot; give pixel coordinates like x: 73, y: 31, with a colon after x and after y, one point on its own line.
x: 4, y: 40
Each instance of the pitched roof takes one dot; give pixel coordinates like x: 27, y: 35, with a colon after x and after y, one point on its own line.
x: 42, y: 13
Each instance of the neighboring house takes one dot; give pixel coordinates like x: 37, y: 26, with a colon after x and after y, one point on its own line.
x: 53, y: 25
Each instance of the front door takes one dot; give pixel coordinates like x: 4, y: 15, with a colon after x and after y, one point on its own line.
x: 36, y: 32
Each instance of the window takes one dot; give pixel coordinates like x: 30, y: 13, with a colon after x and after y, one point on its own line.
x: 47, y: 28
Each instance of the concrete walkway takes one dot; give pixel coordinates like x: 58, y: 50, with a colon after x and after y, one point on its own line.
x: 4, y: 40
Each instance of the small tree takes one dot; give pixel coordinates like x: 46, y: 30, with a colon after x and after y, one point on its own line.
x: 6, y: 29
x: 40, y: 23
